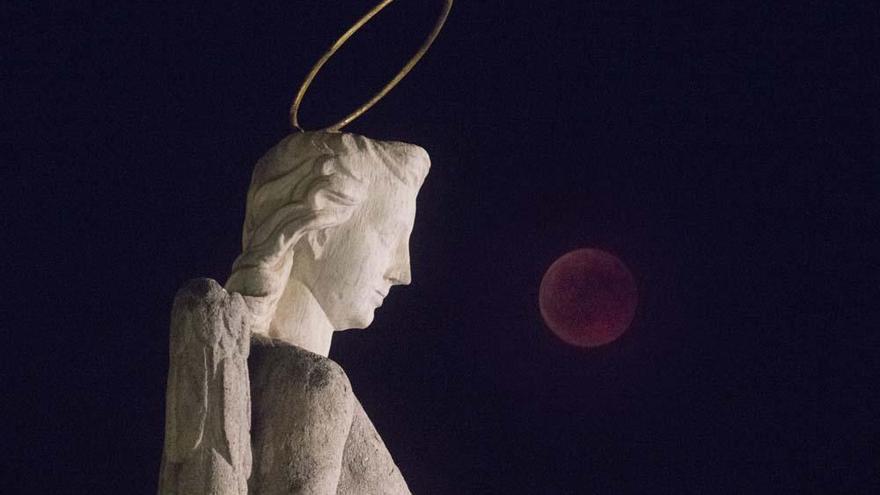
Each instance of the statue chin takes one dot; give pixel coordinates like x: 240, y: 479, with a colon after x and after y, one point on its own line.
x: 359, y: 317
x: 359, y: 322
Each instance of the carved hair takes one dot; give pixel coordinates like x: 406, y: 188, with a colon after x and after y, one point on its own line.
x: 317, y: 179
x: 306, y: 185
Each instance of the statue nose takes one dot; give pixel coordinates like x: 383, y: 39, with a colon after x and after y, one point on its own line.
x: 399, y: 274
x: 404, y: 277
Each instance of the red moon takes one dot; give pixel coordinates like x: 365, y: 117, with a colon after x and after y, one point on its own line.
x: 588, y: 297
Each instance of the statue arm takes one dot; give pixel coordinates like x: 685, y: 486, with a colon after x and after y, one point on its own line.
x: 302, y: 431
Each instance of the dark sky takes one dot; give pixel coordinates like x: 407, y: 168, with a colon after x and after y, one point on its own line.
x: 726, y: 154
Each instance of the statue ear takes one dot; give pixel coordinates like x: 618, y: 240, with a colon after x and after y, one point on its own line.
x: 316, y: 240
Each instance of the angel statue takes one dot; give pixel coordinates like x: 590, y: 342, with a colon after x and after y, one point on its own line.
x: 326, y: 235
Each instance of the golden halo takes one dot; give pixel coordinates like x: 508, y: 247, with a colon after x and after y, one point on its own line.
x: 294, y: 109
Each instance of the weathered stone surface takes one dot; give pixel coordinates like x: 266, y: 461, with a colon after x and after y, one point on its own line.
x: 367, y: 466
x: 310, y: 434
x: 207, y: 415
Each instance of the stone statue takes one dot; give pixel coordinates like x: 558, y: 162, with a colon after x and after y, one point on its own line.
x: 326, y: 235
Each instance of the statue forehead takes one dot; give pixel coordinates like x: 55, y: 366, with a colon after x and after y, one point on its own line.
x: 388, y: 203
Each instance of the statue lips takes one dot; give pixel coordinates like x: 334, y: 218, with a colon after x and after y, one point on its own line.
x: 382, y: 295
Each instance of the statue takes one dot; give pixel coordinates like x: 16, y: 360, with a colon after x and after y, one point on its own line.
x: 326, y: 235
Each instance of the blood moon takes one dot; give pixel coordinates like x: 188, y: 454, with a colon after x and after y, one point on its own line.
x: 588, y: 297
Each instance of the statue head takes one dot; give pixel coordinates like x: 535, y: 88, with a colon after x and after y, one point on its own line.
x: 331, y: 213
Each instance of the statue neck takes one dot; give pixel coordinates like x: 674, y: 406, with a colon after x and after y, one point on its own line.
x: 299, y: 320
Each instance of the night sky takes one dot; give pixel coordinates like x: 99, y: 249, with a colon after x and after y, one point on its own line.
x: 727, y: 154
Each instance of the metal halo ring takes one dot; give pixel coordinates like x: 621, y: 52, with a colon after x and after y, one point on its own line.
x: 294, y: 109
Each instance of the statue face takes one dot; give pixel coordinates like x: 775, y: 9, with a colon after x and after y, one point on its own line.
x: 362, y: 258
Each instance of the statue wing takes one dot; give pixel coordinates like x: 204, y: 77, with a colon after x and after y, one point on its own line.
x: 234, y: 385
x: 188, y: 375
x: 207, y: 415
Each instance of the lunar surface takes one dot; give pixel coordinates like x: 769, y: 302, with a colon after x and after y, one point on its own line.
x: 588, y: 297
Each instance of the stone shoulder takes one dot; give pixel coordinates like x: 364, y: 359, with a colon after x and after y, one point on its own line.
x: 321, y: 378
x: 324, y: 373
